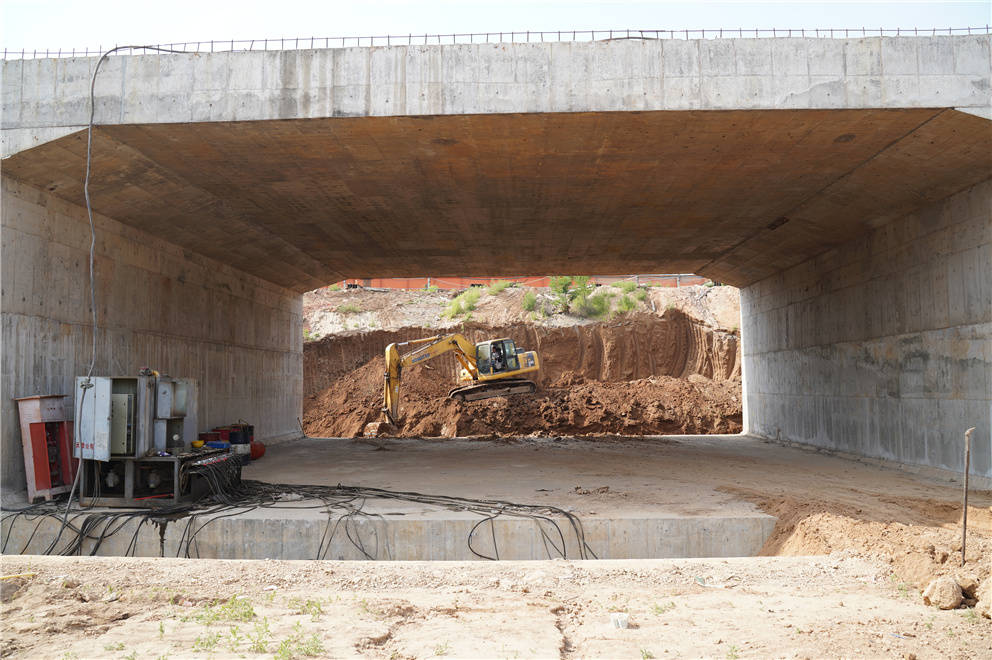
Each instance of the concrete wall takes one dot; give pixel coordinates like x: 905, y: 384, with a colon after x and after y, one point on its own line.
x: 45, y: 98
x: 158, y: 305
x: 883, y: 346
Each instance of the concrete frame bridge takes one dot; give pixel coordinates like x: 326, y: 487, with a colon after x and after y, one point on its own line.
x: 843, y: 184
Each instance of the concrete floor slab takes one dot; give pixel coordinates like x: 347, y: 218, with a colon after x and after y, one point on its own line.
x: 672, y: 496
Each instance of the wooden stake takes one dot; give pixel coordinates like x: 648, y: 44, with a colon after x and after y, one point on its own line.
x: 967, y: 461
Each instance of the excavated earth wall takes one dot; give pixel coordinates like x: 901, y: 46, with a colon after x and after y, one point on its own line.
x: 638, y: 346
x: 642, y: 374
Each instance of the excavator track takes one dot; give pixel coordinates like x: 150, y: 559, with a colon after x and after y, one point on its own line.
x: 492, y: 389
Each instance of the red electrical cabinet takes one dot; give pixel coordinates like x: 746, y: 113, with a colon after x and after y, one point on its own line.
x: 46, y: 437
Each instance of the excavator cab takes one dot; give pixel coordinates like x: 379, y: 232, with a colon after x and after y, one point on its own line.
x: 496, y: 356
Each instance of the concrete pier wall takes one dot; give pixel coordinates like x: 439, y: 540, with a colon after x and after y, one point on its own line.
x: 158, y: 306
x: 881, y: 347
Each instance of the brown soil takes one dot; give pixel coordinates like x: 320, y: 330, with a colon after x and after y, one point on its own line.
x: 834, y: 606
x: 644, y: 374
x: 920, y: 537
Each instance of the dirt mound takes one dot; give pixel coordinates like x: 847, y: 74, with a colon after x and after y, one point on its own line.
x: 634, y: 347
x: 920, y: 537
x: 641, y: 375
x: 651, y: 406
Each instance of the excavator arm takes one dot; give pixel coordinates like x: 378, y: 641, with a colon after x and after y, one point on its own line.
x: 428, y: 349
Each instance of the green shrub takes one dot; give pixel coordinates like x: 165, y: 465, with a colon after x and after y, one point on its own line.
x: 349, y: 308
x: 334, y: 287
x: 471, y: 297
x: 463, y: 303
x: 568, y: 289
x: 529, y: 302
x: 626, y: 304
x: 626, y: 286
x: 498, y: 286
x: 560, y: 283
x: 641, y: 295
x: 453, y: 309
x: 592, y: 307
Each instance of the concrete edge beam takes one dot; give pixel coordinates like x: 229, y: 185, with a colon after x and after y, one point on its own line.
x: 601, y: 76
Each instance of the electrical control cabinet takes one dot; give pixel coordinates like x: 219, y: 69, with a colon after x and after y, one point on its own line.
x: 133, y: 416
x: 134, y: 434
x: 46, y: 437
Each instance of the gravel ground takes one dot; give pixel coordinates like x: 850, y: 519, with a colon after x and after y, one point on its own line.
x: 839, y: 605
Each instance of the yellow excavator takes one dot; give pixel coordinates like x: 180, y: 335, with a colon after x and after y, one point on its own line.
x: 493, y: 368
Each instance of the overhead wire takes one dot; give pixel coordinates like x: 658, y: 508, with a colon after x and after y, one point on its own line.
x: 87, y: 383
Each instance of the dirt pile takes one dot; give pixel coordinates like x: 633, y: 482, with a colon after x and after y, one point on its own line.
x: 634, y: 347
x: 920, y: 537
x: 641, y: 375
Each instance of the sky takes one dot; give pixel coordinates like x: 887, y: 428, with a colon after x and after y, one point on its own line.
x: 55, y: 24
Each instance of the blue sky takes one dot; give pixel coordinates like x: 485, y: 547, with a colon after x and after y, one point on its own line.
x: 63, y: 24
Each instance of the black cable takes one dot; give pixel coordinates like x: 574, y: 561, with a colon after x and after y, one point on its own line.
x: 345, y: 507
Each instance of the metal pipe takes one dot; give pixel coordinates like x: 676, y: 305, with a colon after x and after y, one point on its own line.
x: 967, y: 461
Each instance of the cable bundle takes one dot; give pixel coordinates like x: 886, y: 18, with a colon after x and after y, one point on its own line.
x: 344, y: 506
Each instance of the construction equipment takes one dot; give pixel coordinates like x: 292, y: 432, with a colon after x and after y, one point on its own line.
x: 492, y: 367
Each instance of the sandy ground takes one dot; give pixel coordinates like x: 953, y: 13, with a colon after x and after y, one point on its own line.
x: 834, y: 606
x: 823, y: 503
x: 682, y: 475
x: 878, y: 535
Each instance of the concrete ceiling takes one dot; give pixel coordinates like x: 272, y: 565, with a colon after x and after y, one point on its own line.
x: 734, y: 195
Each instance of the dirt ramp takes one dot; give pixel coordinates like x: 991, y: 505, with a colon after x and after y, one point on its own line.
x: 643, y: 374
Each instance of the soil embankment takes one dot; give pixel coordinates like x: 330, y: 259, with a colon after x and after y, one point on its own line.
x: 643, y: 374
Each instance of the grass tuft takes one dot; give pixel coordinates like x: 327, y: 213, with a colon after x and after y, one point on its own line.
x: 464, y: 303
x: 498, y: 286
x: 626, y: 304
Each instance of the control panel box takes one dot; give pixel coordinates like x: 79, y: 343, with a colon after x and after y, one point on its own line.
x: 133, y: 416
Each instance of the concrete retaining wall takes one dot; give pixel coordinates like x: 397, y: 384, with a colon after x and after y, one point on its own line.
x: 288, y: 534
x: 158, y: 305
x: 881, y: 347
x: 46, y: 98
